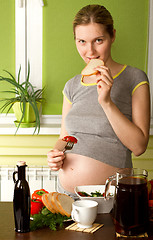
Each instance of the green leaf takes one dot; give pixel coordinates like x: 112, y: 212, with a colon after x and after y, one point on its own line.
x: 25, y: 92
x: 19, y: 74
x: 27, y: 80
x: 14, y: 83
x: 13, y: 91
x: 51, y: 220
x: 7, y: 103
x: 10, y: 75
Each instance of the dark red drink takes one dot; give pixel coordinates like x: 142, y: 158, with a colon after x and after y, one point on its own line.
x: 130, y: 211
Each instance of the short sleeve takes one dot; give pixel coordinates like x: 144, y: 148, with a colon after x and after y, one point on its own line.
x: 66, y: 93
x: 140, y: 78
x: 71, y: 88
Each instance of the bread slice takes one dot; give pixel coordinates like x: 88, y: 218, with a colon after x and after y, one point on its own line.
x: 64, y: 203
x: 60, y: 145
x: 52, y: 198
x: 89, y: 69
x: 47, y: 203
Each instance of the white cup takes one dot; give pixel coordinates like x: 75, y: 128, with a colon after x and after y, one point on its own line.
x: 84, y: 212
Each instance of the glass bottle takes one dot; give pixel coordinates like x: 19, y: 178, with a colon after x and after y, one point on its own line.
x: 21, y: 199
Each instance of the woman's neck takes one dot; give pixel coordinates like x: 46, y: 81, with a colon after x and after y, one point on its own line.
x: 114, y: 67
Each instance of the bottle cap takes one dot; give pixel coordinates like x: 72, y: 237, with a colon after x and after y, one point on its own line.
x: 21, y: 163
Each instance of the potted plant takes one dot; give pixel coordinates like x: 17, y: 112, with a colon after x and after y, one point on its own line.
x: 26, y: 102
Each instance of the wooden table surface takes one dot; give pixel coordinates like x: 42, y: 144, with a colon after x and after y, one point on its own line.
x: 7, y: 232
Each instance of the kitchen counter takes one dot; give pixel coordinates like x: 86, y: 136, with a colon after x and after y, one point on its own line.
x: 107, y: 232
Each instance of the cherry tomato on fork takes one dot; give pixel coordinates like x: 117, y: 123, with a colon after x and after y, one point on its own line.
x: 70, y: 139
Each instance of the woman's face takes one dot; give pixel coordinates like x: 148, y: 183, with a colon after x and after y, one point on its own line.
x: 93, y: 41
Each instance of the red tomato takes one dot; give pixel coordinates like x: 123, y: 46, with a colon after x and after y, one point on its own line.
x: 36, y: 206
x: 38, y: 194
x: 70, y: 139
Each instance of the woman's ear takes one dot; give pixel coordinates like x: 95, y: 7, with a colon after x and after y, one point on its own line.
x: 114, y: 35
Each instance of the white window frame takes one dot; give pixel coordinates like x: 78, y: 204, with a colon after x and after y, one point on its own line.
x: 28, y: 38
x: 28, y: 47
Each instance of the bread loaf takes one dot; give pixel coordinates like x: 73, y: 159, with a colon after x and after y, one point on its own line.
x: 58, y: 203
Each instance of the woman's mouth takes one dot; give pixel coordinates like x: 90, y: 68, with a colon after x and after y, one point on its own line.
x: 89, y: 58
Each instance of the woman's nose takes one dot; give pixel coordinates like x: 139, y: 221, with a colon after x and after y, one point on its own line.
x: 90, y: 49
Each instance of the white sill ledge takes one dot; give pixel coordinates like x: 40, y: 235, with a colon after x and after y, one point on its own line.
x: 50, y: 125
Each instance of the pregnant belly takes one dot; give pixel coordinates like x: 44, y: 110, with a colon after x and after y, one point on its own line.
x: 81, y: 170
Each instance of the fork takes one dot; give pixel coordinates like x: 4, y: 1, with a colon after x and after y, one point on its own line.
x: 68, y: 146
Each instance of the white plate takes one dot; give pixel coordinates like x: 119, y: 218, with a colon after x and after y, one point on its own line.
x: 104, y: 206
x: 68, y: 220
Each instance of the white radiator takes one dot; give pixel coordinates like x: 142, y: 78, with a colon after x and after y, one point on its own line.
x: 37, y: 176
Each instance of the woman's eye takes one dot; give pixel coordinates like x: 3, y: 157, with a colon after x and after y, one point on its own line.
x: 99, y: 40
x: 82, y: 41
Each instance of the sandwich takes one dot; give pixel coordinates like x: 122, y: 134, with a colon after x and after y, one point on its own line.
x: 89, y: 69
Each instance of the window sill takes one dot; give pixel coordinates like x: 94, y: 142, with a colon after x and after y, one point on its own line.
x: 50, y: 125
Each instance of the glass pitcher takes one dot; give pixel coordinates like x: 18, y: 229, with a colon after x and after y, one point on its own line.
x: 130, y: 209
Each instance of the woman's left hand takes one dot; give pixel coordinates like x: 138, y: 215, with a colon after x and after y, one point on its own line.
x: 104, y: 84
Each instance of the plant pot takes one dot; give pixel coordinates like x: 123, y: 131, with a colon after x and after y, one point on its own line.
x: 29, y: 119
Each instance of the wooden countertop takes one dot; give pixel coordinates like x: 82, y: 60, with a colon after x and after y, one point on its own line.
x: 7, y: 232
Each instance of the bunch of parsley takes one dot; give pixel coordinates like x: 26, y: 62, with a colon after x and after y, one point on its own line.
x: 47, y: 219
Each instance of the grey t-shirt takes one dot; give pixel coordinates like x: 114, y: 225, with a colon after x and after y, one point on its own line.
x: 88, y: 123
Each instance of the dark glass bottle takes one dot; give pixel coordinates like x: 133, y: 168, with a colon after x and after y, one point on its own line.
x: 21, y: 200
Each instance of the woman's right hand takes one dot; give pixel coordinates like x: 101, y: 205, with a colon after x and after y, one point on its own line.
x: 55, y: 159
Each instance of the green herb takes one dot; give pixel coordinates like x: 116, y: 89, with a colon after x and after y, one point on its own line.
x: 93, y: 194
x: 97, y: 194
x: 47, y: 219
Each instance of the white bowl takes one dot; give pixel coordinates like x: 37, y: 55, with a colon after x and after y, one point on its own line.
x: 104, y: 206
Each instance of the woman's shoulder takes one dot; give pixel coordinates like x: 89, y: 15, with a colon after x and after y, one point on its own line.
x: 134, y: 71
x: 76, y: 78
x: 134, y: 74
x: 74, y: 81
x: 135, y: 77
x: 72, y: 87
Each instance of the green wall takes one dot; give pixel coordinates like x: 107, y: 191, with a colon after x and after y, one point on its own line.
x: 60, y: 58
x: 7, y: 39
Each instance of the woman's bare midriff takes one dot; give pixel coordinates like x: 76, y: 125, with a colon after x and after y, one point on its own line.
x: 81, y: 170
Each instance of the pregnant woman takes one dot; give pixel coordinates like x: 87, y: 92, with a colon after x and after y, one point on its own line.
x: 108, y: 113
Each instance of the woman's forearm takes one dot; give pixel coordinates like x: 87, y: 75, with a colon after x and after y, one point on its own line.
x: 132, y: 136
